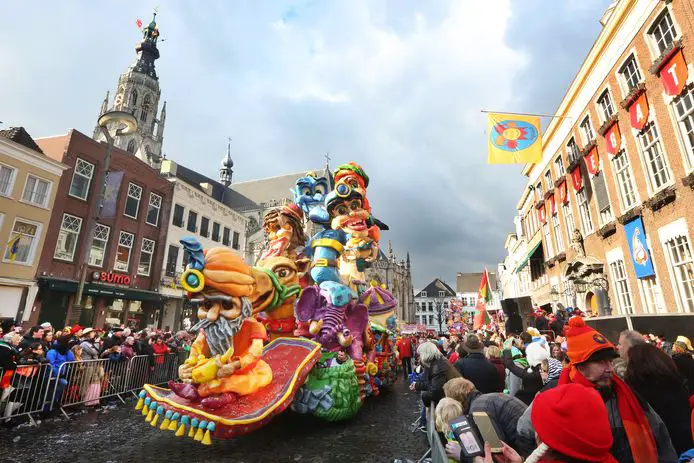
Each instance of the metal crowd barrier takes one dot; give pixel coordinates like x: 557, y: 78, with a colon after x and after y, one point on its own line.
x: 29, y: 387
x: 437, y: 450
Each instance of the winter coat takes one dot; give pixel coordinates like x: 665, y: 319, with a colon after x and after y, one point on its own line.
x: 480, y: 371
x: 541, y: 323
x: 8, y: 356
x: 685, y: 365
x: 557, y: 326
x: 431, y: 385
x: 530, y: 378
x: 160, y: 349
x: 501, y: 371
x: 554, y: 372
x: 56, y: 359
x: 127, y: 351
x: 112, y: 340
x: 89, y: 351
x: 503, y: 409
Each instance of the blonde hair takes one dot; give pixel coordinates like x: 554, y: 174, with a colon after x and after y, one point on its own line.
x: 446, y: 410
x: 428, y: 353
x: 459, y: 389
x: 493, y: 352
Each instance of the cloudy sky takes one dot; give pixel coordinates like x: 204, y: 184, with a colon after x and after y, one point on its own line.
x: 395, y: 85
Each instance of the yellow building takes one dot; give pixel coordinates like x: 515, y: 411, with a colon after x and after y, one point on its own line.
x: 28, y: 184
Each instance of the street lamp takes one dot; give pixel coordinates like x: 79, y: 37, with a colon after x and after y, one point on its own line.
x: 113, y: 124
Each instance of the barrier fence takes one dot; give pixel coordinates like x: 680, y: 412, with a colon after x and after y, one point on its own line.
x: 32, y: 389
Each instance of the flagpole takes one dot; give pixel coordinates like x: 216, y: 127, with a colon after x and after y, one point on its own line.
x: 525, y: 114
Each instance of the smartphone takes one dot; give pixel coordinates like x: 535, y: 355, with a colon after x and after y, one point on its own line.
x: 467, y: 437
x: 488, y: 431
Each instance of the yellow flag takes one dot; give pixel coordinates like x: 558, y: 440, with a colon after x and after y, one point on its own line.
x: 513, y: 139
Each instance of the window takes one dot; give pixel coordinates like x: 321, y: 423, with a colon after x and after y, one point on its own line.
x: 680, y: 256
x: 36, y: 191
x: 652, y: 295
x: 205, y: 227
x: 548, y: 180
x: 653, y: 156
x: 226, y: 237
x: 22, y: 243
x: 6, y: 180
x: 171, y: 260
x: 602, y: 198
x: 81, y: 179
x: 556, y: 224
x: 131, y: 146
x: 235, y: 241
x: 538, y: 191
x: 153, y: 209
x: 146, y: 252
x: 559, y: 167
x: 584, y: 212
x: 133, y: 98
x: 663, y: 32
x: 606, y: 107
x: 125, y: 247
x: 573, y: 150
x: 587, y: 133
x: 423, y: 294
x: 630, y: 73
x: 67, y: 237
x: 178, y: 215
x: 625, y: 181
x: 621, y: 287
x: 684, y: 110
x: 442, y: 293
x: 132, y: 204
x: 548, y: 240
x: 97, y: 252
x: 215, y: 232
x: 145, y: 109
x: 192, y: 222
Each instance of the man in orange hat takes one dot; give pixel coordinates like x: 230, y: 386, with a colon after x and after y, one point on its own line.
x: 638, y: 433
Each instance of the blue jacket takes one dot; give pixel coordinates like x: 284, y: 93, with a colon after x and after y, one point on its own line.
x: 56, y: 359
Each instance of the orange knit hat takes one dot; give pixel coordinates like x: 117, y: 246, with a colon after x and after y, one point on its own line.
x: 583, y: 341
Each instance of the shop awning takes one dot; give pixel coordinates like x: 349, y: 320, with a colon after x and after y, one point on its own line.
x: 525, y: 260
x: 70, y: 286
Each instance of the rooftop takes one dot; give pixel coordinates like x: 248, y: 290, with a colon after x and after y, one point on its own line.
x: 21, y: 136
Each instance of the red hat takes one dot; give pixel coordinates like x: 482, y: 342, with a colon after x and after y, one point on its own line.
x: 75, y: 329
x: 572, y: 419
x: 583, y: 341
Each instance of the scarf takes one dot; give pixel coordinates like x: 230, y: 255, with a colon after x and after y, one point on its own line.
x: 638, y: 430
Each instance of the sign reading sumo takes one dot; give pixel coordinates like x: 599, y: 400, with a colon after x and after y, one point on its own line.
x: 110, y: 277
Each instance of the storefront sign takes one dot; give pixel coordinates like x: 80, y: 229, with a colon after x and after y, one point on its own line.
x: 541, y: 214
x: 638, y: 112
x: 111, y: 190
x: 640, y: 255
x: 576, y: 179
x: 110, y: 277
x: 592, y: 161
x: 674, y: 74
x: 563, y: 196
x: 613, y: 140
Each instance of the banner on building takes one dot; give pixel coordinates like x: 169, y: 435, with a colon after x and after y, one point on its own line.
x: 513, y: 139
x: 592, y: 161
x: 613, y: 139
x: 542, y: 214
x: 552, y: 205
x: 638, y: 247
x: 111, y: 190
x: 576, y: 179
x: 563, y: 194
x: 674, y: 74
x: 638, y: 112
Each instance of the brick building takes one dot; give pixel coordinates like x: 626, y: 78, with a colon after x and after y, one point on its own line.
x: 604, y: 221
x: 126, y: 254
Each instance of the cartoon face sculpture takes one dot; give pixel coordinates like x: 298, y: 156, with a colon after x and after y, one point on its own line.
x: 285, y: 231
x: 353, y: 176
x: 309, y: 194
x: 346, y: 208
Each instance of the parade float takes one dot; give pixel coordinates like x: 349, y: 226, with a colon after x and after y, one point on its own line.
x: 300, y: 328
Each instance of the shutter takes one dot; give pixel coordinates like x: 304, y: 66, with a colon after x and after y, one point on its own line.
x: 600, y: 190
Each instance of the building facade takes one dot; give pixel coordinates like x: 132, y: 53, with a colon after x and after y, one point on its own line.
x: 28, y: 184
x: 604, y: 221
x: 396, y: 275
x: 126, y: 253
x: 467, y: 285
x: 432, y: 305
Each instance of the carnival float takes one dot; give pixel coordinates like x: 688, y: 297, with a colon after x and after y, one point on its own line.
x: 301, y: 328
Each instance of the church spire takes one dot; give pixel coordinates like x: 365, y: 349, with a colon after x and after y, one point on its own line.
x: 226, y: 171
x: 147, y: 49
x: 161, y: 122
x: 408, y: 261
x: 104, y: 105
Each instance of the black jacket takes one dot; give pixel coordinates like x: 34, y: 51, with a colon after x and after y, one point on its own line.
x: 434, y: 378
x: 531, y: 379
x: 480, y: 371
x: 685, y: 365
x: 8, y: 356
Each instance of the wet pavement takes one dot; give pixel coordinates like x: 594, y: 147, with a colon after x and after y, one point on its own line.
x: 379, y: 433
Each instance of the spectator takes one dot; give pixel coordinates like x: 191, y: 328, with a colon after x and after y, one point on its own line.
x: 32, y: 355
x: 57, y: 356
x: 48, y: 340
x: 76, y: 333
x: 404, y: 346
x: 77, y: 352
x: 494, y: 356
x: 114, y: 338
x: 556, y: 324
x: 541, y: 322
x: 682, y: 356
x: 661, y: 343
x: 90, y: 351
x: 9, y: 356
x: 550, y: 371
x: 477, y: 368
x: 35, y: 334
x: 128, y: 348
x: 453, y: 352
x: 654, y: 376
x: 437, y: 371
x: 47, y: 327
x: 446, y: 411
x: 531, y: 377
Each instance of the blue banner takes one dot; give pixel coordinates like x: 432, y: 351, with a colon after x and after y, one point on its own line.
x: 111, y: 190
x: 640, y: 255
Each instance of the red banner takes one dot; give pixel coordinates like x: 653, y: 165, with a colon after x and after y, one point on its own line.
x: 674, y: 74
x: 592, y: 161
x: 638, y: 112
x: 563, y: 197
x: 576, y: 179
x: 552, y: 205
x: 613, y: 140
x: 541, y: 214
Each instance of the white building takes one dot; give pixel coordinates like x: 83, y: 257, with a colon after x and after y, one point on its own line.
x: 432, y: 305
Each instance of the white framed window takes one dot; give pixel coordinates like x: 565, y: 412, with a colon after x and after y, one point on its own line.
x: 630, y: 74
x: 662, y: 33
x: 81, y: 179
x: 587, y: 133
x: 606, y: 215
x: 556, y: 224
x: 36, y: 191
x: 153, y: 209
x: 548, y: 180
x: 97, y: 251
x: 67, y: 238
x: 538, y: 191
x: 442, y: 293
x: 572, y: 150
x: 621, y: 287
x: 659, y: 174
x: 625, y: 181
x: 146, y: 252
x: 559, y: 167
x: 674, y: 238
x: 7, y: 177
x: 683, y: 107
x: 606, y: 107
x: 584, y: 212
x: 423, y: 294
x: 548, y: 240
x: 132, y: 204
x: 125, y: 247
x: 24, y: 239
x: 652, y: 295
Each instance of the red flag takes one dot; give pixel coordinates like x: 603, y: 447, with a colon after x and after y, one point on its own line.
x: 593, y: 161
x: 576, y: 178
x: 613, y: 140
x: 674, y: 74
x: 563, y: 197
x: 484, y: 294
x: 541, y: 214
x: 638, y: 112
x: 139, y: 23
x: 552, y: 205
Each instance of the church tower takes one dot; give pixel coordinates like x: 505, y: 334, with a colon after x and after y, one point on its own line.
x: 138, y: 93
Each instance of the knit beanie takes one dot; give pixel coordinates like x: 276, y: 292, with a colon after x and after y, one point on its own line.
x: 572, y: 419
x: 536, y: 353
x: 583, y: 341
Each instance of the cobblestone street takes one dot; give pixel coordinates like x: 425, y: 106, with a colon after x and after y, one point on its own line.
x: 379, y: 433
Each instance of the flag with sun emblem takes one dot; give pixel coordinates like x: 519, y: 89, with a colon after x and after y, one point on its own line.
x: 513, y: 139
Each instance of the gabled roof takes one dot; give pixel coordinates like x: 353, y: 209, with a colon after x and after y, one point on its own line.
x: 433, y: 288
x: 470, y: 282
x: 232, y: 199
x: 21, y: 136
x: 266, y: 190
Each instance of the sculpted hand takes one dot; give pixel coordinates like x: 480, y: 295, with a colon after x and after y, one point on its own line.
x: 228, y: 369
x: 185, y: 372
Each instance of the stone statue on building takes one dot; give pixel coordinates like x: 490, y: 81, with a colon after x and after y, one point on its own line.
x: 577, y: 244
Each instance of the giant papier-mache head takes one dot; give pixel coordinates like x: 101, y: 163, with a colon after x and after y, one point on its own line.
x: 309, y: 194
x: 346, y: 208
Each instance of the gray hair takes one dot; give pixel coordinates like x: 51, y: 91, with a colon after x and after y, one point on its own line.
x: 631, y: 338
x: 428, y: 353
